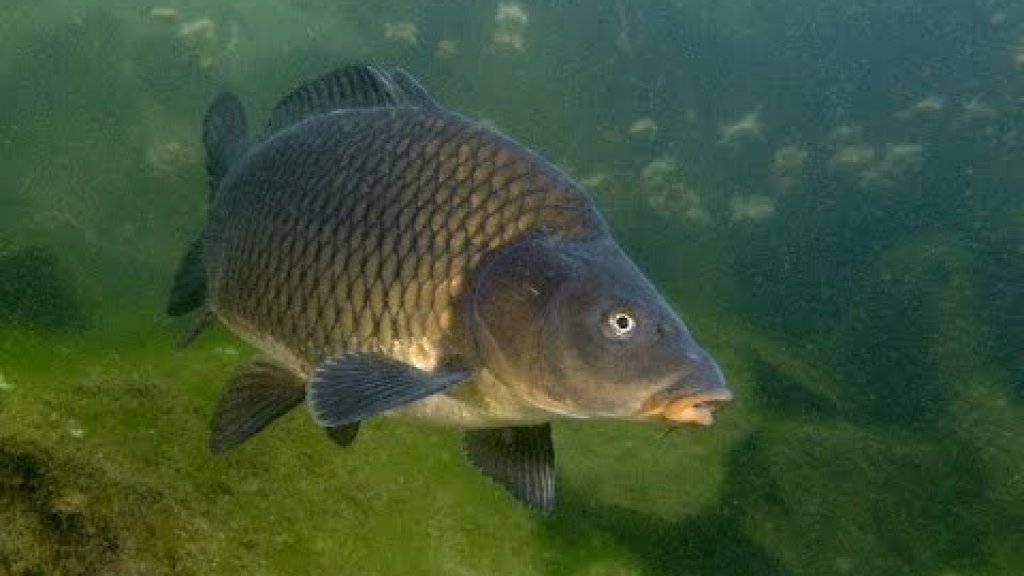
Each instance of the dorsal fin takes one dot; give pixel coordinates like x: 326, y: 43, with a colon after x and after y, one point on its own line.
x: 225, y: 136
x: 349, y: 87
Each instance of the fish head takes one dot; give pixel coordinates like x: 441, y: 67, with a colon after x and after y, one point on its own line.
x: 574, y: 328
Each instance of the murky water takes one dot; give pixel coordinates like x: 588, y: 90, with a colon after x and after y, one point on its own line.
x: 829, y: 192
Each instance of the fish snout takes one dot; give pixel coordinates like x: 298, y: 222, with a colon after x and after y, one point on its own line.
x: 693, y: 398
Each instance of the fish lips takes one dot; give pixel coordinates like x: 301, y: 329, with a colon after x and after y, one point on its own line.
x: 692, y: 398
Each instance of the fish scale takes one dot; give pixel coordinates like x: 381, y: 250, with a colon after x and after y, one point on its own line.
x: 359, y: 225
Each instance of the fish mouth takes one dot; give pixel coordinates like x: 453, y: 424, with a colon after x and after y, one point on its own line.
x: 692, y: 398
x: 697, y: 409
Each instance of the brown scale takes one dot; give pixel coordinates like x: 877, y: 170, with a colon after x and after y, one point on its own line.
x: 363, y: 228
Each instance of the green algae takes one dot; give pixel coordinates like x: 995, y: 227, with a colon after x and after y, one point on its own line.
x: 63, y: 516
x: 131, y: 418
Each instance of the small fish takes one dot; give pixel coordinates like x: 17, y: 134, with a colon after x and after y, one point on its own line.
x: 391, y: 257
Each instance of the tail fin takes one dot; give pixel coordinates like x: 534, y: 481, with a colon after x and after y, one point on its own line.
x: 225, y: 135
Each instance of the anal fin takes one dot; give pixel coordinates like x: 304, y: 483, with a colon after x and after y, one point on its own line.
x: 255, y: 396
x: 345, y: 435
x: 520, y: 459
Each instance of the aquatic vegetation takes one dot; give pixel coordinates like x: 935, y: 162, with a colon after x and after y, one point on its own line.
x: 984, y: 418
x: 846, y: 134
x: 643, y: 127
x: 166, y: 14
x: 975, y: 111
x: 789, y: 159
x: 511, y: 14
x: 197, y: 33
x: 595, y: 180
x: 680, y: 199
x: 752, y: 207
x: 165, y: 158
x: 403, y: 32
x: 901, y: 161
x: 48, y: 521
x: 903, y: 158
x: 36, y: 292
x: 925, y: 107
x: 509, y: 26
x: 788, y: 166
x: 929, y: 105
x: 747, y: 128
x: 666, y: 191
x: 659, y: 170
x: 446, y: 49
x: 852, y: 158
x: 877, y: 475
x: 200, y: 37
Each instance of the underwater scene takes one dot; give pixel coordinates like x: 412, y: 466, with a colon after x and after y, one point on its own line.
x: 828, y: 196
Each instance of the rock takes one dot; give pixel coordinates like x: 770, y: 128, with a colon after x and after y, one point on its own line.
x: 36, y: 293
x: 60, y: 517
x: 838, y: 499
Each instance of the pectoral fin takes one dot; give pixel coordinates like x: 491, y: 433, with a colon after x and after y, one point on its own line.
x: 519, y: 459
x: 189, y: 289
x: 352, y: 387
x: 254, y: 397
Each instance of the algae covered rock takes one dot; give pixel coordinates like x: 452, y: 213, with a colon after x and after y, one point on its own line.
x: 987, y: 422
x: 64, y: 517
x: 835, y: 499
x: 35, y: 292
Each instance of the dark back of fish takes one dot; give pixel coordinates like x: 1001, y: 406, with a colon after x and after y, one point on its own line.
x: 358, y: 229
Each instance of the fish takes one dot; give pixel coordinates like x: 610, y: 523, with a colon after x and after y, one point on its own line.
x: 390, y: 257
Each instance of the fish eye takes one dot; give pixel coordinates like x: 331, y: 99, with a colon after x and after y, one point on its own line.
x: 621, y: 324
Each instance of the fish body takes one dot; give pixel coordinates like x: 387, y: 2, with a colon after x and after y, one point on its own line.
x: 358, y: 230
x: 393, y: 257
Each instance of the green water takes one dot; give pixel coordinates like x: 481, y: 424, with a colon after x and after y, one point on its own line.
x: 852, y: 255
